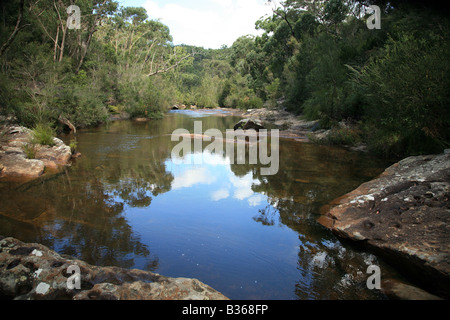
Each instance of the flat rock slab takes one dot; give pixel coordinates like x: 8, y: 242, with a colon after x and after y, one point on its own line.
x: 403, y: 215
x: 30, y: 271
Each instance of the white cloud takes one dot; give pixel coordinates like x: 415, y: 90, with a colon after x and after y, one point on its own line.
x: 243, y: 186
x: 255, y: 200
x: 219, y: 23
x: 220, y: 194
x: 223, y: 3
x: 191, y: 177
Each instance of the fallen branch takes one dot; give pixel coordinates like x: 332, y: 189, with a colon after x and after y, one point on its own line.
x: 67, y: 123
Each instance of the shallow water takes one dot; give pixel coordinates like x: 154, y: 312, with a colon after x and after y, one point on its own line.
x: 127, y: 203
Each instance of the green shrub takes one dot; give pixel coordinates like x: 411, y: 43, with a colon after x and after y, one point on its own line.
x: 43, y: 134
x: 250, y: 103
x: 73, y: 146
x: 344, y: 136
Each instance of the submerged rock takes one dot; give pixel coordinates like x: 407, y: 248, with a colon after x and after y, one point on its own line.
x: 395, y: 289
x: 404, y: 215
x: 33, y: 271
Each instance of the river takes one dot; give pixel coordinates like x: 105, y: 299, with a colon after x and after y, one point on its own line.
x: 127, y: 203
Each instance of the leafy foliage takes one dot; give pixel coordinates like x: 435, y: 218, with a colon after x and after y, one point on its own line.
x: 327, y: 65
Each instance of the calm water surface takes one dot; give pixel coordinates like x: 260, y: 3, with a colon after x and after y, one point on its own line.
x: 126, y: 203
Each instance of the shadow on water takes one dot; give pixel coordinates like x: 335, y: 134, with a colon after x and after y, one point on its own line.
x: 126, y: 203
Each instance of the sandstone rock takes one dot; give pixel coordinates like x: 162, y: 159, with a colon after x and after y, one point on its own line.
x: 59, y: 153
x: 174, y: 289
x: 399, y: 290
x: 33, y: 271
x: 404, y: 215
x: 290, y: 125
x: 141, y: 119
x: 17, y: 166
x: 13, y: 159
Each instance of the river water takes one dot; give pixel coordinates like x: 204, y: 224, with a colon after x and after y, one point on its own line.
x: 127, y: 203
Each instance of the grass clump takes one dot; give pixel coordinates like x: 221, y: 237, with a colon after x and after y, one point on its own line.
x: 43, y: 134
x: 30, y: 150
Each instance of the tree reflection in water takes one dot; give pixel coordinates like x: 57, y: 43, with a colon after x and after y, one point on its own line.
x: 100, y: 210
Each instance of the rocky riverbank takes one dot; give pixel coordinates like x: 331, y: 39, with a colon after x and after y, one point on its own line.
x: 404, y: 216
x: 290, y: 126
x: 20, y: 159
x: 30, y: 271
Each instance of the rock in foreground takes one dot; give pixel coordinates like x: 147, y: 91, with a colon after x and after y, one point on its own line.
x: 404, y: 215
x: 33, y: 271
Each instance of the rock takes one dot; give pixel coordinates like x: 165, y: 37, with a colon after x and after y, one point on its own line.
x: 17, y: 166
x: 174, y: 289
x: 30, y: 271
x: 289, y: 124
x: 141, y: 119
x: 403, y: 215
x: 399, y: 290
x: 247, y: 124
x: 14, y: 161
x: 59, y: 153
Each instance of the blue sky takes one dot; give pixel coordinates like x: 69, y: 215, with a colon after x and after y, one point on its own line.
x: 205, y: 23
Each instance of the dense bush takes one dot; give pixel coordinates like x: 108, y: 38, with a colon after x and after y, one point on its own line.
x: 407, y: 95
x: 393, y: 82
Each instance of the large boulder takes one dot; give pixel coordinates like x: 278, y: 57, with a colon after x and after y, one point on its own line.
x: 404, y: 215
x: 17, y: 166
x: 34, y: 272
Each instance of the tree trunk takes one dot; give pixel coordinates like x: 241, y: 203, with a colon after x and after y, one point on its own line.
x: 61, y: 52
x: 56, y: 44
x: 16, y: 29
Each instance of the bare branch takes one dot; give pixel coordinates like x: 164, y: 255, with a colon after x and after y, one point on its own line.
x: 171, y: 67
